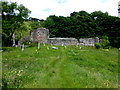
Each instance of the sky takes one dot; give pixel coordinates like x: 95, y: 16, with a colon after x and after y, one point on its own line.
x: 42, y: 9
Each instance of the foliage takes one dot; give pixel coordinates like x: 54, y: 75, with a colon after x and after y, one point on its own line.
x: 23, y: 31
x: 13, y: 16
x: 82, y: 24
x: 97, y: 45
x: 105, y: 42
x: 69, y: 67
x: 78, y: 25
x: 26, y: 42
x: 35, y: 24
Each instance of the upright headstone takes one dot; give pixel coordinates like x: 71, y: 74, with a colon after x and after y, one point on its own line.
x: 62, y: 44
x: 38, y: 45
x: 13, y: 36
x: 23, y: 47
x: 80, y: 47
x: 44, y: 44
x: 77, y: 44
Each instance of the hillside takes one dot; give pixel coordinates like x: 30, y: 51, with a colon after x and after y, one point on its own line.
x: 70, y: 67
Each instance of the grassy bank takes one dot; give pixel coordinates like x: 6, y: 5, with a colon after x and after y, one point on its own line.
x: 69, y: 67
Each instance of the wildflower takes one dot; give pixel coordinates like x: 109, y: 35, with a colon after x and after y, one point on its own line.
x: 106, y: 83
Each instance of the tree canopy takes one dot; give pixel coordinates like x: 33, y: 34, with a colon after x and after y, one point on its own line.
x: 13, y: 16
x: 84, y: 25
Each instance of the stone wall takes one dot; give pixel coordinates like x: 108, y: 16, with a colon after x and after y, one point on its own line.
x: 62, y: 41
x: 41, y: 35
x: 88, y: 41
x: 22, y: 40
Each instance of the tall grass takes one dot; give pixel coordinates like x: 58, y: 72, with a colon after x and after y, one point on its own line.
x: 69, y: 67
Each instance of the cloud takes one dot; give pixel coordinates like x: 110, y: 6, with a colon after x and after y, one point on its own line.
x: 47, y: 9
x: 61, y: 1
x: 44, y: 8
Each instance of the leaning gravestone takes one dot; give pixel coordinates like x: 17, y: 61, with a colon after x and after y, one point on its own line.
x: 13, y: 36
x: 47, y: 48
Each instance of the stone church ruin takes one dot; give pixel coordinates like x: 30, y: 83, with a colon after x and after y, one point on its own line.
x: 41, y: 35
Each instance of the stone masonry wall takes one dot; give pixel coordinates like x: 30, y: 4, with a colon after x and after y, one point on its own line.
x: 62, y: 41
x: 41, y: 35
x: 88, y: 41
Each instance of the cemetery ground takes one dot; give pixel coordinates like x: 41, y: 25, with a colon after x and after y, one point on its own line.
x: 70, y: 67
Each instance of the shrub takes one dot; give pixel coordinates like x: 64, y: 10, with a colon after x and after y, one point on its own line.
x: 97, y: 45
x: 26, y: 42
x: 105, y: 42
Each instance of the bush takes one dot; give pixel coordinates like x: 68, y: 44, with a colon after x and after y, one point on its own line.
x: 105, y: 42
x: 97, y: 45
x: 26, y: 42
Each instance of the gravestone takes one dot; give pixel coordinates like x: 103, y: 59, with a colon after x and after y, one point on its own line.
x: 13, y: 36
x: 47, y: 48
x: 38, y: 45
x: 23, y: 47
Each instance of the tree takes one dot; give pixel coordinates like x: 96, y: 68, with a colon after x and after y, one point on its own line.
x: 13, y: 17
x: 84, y: 25
x: 51, y: 23
x: 23, y: 31
x: 106, y: 25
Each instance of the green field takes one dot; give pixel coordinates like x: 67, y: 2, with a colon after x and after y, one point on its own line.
x: 69, y: 67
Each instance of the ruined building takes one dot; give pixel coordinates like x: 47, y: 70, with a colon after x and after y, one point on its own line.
x: 41, y: 35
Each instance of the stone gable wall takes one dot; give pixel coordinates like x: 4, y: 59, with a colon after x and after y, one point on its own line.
x: 40, y: 35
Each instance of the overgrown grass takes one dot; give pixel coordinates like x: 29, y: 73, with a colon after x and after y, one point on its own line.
x: 69, y: 67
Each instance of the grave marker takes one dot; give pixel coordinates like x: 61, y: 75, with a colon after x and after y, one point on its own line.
x: 23, y: 47
x: 38, y: 45
x: 47, y: 48
x: 13, y: 36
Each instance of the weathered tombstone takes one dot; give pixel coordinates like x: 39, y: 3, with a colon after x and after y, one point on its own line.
x: 47, y: 48
x: 29, y: 43
x: 13, y: 36
x: 16, y: 45
x: 23, y: 47
x: 38, y: 45
x: 44, y: 44
x: 54, y: 48
x: 77, y: 44
x: 62, y: 44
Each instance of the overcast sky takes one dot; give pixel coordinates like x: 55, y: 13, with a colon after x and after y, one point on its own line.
x: 43, y: 8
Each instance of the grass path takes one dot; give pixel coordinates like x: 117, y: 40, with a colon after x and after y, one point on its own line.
x: 69, y: 67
